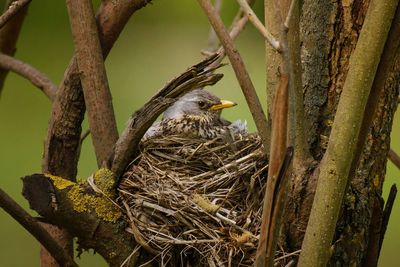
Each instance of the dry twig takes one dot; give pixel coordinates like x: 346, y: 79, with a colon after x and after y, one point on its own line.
x: 30, y: 73
x: 13, y: 9
x: 9, y: 36
x: 34, y: 228
x: 258, y: 25
x: 394, y: 158
x: 387, y: 212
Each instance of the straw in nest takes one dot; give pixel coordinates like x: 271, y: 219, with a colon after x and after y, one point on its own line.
x: 197, y: 201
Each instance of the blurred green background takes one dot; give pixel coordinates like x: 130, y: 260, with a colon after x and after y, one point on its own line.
x: 159, y: 42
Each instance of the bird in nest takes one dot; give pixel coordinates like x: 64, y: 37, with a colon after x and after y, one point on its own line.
x: 197, y: 114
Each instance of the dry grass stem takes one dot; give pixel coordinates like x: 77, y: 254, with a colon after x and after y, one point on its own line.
x: 196, y: 195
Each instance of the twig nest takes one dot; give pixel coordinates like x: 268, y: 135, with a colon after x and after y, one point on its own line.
x: 197, y: 201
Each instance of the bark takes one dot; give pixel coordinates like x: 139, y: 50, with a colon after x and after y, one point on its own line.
x: 100, y: 223
x: 328, y: 38
x: 62, y: 144
x: 93, y: 78
x: 8, y: 37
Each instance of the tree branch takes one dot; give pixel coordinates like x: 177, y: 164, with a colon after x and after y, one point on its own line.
x: 14, y: 8
x: 272, y: 213
x: 30, y: 73
x: 258, y: 24
x: 61, y: 150
x: 335, y: 166
x: 93, y: 78
x: 394, y: 158
x: 196, y: 76
x: 9, y: 36
x: 241, y: 73
x: 387, y: 212
x: 35, y: 229
x: 89, y: 216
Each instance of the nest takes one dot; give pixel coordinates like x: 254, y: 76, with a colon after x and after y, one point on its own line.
x: 197, y: 202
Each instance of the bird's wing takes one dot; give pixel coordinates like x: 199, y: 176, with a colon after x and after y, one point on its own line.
x: 153, y: 131
x: 238, y: 127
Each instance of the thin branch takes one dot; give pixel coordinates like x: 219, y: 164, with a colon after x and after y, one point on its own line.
x: 35, y: 229
x: 212, y: 36
x: 293, y: 4
x: 394, y: 158
x: 93, y: 78
x: 271, y: 214
x: 387, y: 212
x: 9, y: 36
x: 12, y: 10
x: 335, y: 166
x: 240, y: 70
x: 196, y: 76
x: 258, y: 24
x: 30, y: 73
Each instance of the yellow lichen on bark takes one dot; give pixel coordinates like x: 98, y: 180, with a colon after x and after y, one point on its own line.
x: 102, y: 206
x: 59, y: 182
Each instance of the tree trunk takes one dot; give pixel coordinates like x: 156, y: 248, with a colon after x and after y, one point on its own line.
x: 328, y: 38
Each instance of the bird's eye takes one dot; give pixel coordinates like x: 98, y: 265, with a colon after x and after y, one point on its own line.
x: 202, y: 104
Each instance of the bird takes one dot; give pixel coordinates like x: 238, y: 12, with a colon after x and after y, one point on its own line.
x: 197, y: 114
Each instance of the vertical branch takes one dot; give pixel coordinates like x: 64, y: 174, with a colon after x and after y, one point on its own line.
x: 9, y: 36
x: 93, y: 78
x: 241, y: 73
x: 335, y: 166
x: 270, y: 224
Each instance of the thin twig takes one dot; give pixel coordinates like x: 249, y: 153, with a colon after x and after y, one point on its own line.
x: 30, y: 73
x: 35, y: 229
x: 212, y: 36
x: 259, y: 25
x: 93, y: 78
x: 13, y: 9
x: 9, y: 35
x: 240, y: 70
x: 386, y: 213
x: 394, y: 158
x: 270, y: 218
x: 293, y: 3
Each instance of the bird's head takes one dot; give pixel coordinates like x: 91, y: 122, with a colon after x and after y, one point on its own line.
x: 198, y: 102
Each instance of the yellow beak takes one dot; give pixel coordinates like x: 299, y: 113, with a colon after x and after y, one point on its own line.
x: 223, y: 104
